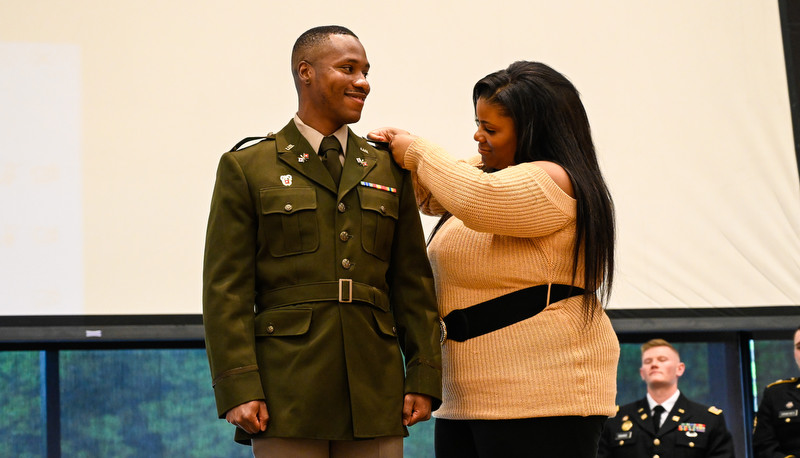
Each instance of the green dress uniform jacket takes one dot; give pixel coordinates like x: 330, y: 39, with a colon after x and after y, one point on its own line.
x: 690, y: 430
x: 316, y: 299
x: 776, y: 433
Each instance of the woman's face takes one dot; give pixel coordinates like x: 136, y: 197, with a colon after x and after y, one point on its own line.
x: 496, y: 135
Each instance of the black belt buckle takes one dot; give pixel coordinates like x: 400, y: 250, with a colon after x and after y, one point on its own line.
x: 455, y: 326
x: 345, y: 285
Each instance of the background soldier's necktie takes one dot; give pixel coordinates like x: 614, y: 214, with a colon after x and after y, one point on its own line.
x: 657, y: 411
x: 329, y: 153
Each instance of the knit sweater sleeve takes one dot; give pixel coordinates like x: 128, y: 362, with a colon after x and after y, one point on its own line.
x: 520, y: 201
x: 427, y: 203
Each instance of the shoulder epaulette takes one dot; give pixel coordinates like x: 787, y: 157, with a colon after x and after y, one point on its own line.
x: 778, y: 382
x: 377, y: 144
x: 242, y: 142
x: 715, y: 410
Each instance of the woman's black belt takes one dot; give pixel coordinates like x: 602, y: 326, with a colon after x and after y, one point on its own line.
x: 497, y: 313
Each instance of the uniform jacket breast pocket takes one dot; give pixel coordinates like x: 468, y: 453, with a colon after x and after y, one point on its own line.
x: 380, y: 210
x: 289, y: 220
x: 693, y: 443
x: 624, y: 441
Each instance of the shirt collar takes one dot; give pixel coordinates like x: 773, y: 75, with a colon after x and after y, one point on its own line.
x: 667, y: 405
x: 314, y: 137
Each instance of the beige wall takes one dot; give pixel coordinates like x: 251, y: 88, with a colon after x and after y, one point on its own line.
x: 687, y: 101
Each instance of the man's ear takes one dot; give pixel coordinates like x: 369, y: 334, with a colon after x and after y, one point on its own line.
x: 641, y: 373
x: 679, y: 370
x: 305, y: 72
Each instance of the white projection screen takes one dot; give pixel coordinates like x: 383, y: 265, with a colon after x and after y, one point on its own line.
x: 113, y: 116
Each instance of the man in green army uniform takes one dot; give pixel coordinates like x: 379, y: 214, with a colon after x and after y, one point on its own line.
x: 776, y: 433
x: 318, y: 304
x: 665, y: 424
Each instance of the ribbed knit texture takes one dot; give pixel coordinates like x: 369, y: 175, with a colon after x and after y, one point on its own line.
x: 511, y: 229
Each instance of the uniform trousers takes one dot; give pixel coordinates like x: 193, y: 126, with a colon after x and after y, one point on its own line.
x: 276, y: 447
x: 546, y: 437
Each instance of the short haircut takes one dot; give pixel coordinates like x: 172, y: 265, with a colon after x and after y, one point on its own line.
x: 312, y: 38
x: 652, y: 343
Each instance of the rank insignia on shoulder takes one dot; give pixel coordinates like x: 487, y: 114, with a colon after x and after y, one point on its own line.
x: 788, y: 380
x: 715, y: 410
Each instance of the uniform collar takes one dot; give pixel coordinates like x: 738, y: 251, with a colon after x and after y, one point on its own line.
x: 667, y: 405
x: 314, y: 137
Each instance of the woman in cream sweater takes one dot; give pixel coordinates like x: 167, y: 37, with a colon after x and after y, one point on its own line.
x: 530, y: 216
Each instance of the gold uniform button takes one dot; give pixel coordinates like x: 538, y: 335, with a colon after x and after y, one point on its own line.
x: 656, y: 456
x: 788, y: 420
x: 346, y: 263
x: 287, y: 207
x: 343, y: 236
x: 270, y: 329
x: 621, y: 442
x: 656, y: 442
x: 341, y: 207
x: 383, y: 209
x: 691, y: 444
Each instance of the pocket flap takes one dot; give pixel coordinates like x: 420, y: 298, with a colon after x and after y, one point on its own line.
x: 385, y: 322
x: 283, y: 322
x: 385, y: 203
x: 287, y: 200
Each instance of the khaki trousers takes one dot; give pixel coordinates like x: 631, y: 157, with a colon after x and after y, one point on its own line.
x: 276, y: 447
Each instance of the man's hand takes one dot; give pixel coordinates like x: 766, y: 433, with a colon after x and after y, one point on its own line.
x: 416, y: 408
x: 251, y: 416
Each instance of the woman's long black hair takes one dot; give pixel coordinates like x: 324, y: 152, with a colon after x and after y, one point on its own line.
x: 551, y: 125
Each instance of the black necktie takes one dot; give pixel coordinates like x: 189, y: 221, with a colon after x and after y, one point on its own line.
x: 657, y: 411
x: 329, y: 153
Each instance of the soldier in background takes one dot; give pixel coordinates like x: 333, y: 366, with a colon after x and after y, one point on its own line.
x: 776, y: 433
x: 665, y: 423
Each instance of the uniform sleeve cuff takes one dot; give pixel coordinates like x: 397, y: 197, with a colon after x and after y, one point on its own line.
x: 237, y: 389
x: 425, y: 379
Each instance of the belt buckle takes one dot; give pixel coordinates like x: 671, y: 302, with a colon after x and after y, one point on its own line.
x: 349, y: 283
x: 443, y: 329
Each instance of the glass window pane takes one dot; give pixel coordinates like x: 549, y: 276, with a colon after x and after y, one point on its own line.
x: 701, y: 359
x: 774, y: 360
x: 419, y: 443
x: 22, y: 425
x: 133, y: 403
